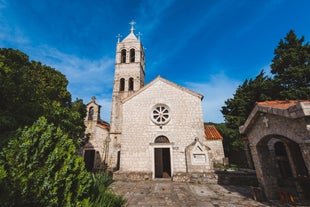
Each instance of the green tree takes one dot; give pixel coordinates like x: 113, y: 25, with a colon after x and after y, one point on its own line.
x: 291, y: 67
x: 29, y: 90
x: 237, y: 109
x: 44, y: 169
x: 291, y: 70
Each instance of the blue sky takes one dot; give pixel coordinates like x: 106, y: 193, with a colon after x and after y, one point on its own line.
x: 209, y: 46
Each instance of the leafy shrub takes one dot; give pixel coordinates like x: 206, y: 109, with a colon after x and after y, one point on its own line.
x: 102, y: 196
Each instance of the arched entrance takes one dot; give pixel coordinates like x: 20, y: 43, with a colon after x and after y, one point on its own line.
x: 283, y: 167
x: 162, y: 158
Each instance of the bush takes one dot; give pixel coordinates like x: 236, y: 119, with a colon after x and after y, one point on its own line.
x: 44, y: 169
x: 102, y: 196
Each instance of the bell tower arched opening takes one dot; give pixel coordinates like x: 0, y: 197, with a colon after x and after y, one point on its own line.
x: 122, y: 84
x: 132, y: 55
x: 123, y: 56
x: 130, y: 84
x: 91, y: 113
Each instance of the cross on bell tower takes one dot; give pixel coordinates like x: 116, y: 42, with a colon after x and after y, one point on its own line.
x: 132, y: 23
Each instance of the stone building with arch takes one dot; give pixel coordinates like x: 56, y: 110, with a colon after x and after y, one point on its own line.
x: 277, y: 135
x: 156, y: 130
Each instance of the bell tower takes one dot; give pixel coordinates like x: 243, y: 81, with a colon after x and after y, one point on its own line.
x: 128, y: 77
x: 129, y: 64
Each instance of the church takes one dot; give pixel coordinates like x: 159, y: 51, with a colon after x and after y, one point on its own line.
x: 156, y: 130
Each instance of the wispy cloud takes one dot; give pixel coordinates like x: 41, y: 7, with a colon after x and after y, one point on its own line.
x: 151, y: 13
x: 86, y: 77
x: 216, y: 91
x: 9, y: 31
x: 190, y: 29
x: 267, y: 8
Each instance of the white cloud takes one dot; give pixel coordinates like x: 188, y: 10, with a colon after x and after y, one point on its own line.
x: 87, y: 77
x: 215, y: 92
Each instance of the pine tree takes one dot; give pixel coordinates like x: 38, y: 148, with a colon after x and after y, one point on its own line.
x: 291, y: 67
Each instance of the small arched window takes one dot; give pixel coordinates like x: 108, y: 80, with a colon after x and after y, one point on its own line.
x: 130, y: 86
x: 132, y: 55
x: 123, y: 56
x: 122, y: 84
x: 161, y: 139
x: 90, y: 113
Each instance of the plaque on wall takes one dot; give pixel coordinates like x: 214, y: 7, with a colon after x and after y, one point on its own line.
x: 199, y: 158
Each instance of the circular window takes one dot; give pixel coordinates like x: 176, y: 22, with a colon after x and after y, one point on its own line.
x: 160, y: 114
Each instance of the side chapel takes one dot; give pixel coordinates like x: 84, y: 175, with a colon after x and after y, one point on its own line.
x: 155, y: 131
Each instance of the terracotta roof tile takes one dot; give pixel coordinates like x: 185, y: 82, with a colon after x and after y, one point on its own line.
x: 103, y: 124
x: 212, y: 133
x: 282, y: 104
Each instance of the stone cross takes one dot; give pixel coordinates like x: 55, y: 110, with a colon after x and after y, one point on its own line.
x: 132, y: 23
x: 265, y: 120
x: 118, y: 38
x: 139, y: 35
x: 93, y: 99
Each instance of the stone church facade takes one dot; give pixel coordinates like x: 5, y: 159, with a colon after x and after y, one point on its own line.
x: 156, y: 130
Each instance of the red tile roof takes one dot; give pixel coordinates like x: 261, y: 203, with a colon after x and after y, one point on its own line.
x: 103, y: 124
x: 212, y: 133
x: 280, y: 104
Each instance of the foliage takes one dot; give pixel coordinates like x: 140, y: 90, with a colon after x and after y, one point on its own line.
x: 291, y: 67
x: 44, y: 169
x: 291, y: 80
x: 29, y: 90
x: 239, y: 107
x: 103, y: 197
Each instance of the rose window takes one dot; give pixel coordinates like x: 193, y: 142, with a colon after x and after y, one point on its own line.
x: 160, y: 114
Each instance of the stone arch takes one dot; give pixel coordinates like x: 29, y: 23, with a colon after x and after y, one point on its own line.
x: 132, y: 55
x: 122, y: 84
x: 123, y: 55
x: 130, y: 84
x: 284, y: 132
x: 91, y: 113
x: 281, y: 163
x: 161, y: 139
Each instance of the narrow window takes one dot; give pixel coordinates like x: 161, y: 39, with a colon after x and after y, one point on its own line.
x: 91, y: 113
x: 130, y: 86
x: 132, y: 55
x: 123, y: 56
x: 122, y: 84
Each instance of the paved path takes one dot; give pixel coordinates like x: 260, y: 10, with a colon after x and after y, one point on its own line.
x: 167, y: 193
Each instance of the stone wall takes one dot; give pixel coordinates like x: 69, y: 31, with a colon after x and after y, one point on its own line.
x: 217, y: 150
x: 239, y: 178
x: 132, y: 176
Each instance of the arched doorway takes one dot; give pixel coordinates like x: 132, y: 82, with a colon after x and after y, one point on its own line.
x: 162, y: 158
x: 282, y: 167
